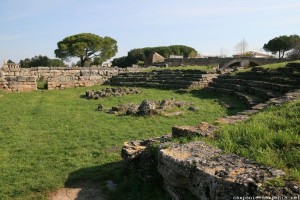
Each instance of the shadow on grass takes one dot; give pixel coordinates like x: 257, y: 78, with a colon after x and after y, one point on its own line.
x: 93, y: 184
x: 232, y: 104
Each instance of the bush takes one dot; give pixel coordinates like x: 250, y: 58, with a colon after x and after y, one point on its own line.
x: 42, y: 84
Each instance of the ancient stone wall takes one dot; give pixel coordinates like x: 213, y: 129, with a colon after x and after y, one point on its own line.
x: 24, y: 79
x: 18, y: 84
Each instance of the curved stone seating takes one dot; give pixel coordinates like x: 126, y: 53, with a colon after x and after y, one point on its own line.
x: 259, y: 84
x: 165, y: 79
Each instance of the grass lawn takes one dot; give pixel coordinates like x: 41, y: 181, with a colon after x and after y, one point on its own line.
x: 51, y: 139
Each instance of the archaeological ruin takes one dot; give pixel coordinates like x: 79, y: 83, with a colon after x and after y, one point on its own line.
x: 195, y: 168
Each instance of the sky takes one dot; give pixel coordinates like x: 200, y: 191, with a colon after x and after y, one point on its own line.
x: 33, y: 27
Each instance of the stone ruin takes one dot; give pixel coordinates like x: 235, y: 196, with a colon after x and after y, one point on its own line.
x: 201, y: 171
x: 166, y: 107
x: 111, y: 92
x: 15, y: 79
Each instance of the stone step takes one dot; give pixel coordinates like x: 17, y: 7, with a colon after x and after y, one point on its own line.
x: 271, y: 79
x: 165, y: 76
x: 294, y: 65
x: 249, y: 99
x: 295, y: 75
x: 261, y: 92
x: 253, y: 83
x: 150, y: 85
x: 204, y: 129
x: 129, y: 79
x: 189, y: 71
x: 184, y: 82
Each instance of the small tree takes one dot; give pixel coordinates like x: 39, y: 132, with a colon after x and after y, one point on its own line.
x: 241, y: 47
x: 87, y: 46
x: 279, y: 45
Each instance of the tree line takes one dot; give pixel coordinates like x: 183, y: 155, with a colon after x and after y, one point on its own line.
x: 137, y: 56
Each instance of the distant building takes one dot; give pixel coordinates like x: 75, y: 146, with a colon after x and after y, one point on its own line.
x: 154, y: 58
x: 252, y: 54
x: 175, y: 56
x: 106, y: 64
x: 10, y: 65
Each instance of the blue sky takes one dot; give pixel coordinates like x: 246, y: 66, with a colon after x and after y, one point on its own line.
x: 33, y: 27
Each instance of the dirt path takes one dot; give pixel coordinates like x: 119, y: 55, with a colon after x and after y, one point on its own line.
x: 84, y: 192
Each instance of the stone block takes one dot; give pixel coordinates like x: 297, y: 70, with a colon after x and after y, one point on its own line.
x: 208, y: 174
x: 31, y: 79
x: 21, y: 78
x: 204, y: 129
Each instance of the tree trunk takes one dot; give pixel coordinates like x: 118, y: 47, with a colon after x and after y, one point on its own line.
x: 282, y: 54
x: 279, y: 54
x: 82, y: 61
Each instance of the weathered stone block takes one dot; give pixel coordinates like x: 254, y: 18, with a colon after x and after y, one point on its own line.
x: 21, y: 78
x: 31, y: 79
x: 209, y: 174
x: 204, y: 129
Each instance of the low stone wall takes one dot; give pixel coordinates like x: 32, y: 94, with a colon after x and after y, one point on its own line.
x: 21, y: 79
x: 18, y: 84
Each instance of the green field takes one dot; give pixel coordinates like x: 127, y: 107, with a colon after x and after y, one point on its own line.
x: 52, y: 139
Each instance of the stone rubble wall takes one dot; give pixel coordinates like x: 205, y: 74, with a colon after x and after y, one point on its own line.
x: 24, y: 79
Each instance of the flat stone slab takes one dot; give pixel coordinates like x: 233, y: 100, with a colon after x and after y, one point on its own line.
x: 204, y: 129
x: 233, y: 119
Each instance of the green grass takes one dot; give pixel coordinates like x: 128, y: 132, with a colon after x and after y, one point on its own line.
x: 52, y: 139
x: 208, y: 69
x: 277, y: 65
x: 271, y: 138
x: 273, y: 66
